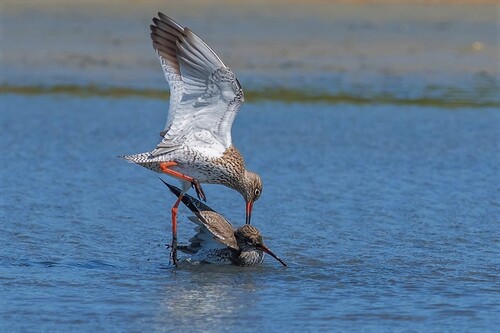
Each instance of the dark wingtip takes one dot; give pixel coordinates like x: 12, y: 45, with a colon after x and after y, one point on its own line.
x: 164, y: 18
x: 175, y: 190
x: 193, y: 204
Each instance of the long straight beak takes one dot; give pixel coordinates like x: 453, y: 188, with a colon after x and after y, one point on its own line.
x: 265, y: 249
x: 249, y: 211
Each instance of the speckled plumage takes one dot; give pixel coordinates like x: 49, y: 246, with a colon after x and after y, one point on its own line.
x: 227, y: 169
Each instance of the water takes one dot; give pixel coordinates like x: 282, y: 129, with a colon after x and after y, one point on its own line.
x: 388, y: 219
x: 386, y: 208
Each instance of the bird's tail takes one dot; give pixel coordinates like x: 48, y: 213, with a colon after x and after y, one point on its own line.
x: 137, y: 158
x: 146, y: 160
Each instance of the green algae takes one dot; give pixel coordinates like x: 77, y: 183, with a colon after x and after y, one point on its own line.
x: 284, y: 95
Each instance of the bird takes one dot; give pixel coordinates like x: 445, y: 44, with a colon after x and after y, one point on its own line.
x: 205, y: 97
x: 217, y: 241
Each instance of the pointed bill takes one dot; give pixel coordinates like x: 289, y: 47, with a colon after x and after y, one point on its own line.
x: 266, y: 249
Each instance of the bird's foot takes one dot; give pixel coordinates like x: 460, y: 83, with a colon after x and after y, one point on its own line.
x: 173, y: 252
x: 199, y: 190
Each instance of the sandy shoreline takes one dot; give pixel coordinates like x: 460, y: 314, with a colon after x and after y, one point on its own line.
x: 230, y: 2
x: 406, y: 49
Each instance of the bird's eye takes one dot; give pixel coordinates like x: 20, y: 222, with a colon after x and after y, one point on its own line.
x: 257, y: 192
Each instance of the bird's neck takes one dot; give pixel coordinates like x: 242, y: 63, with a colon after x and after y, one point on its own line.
x: 243, y: 183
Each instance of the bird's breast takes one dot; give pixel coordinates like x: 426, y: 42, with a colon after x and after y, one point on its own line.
x: 225, y: 169
x: 250, y: 258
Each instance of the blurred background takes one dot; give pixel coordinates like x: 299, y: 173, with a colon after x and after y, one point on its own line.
x: 373, y: 124
x: 404, y: 51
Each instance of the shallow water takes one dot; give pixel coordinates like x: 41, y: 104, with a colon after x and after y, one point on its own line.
x: 386, y: 208
x: 388, y: 217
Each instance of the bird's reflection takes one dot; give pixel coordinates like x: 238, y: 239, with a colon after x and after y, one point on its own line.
x: 206, y: 294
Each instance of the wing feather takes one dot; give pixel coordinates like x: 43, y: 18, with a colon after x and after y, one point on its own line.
x: 204, y: 93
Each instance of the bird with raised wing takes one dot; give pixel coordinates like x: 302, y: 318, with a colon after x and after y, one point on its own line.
x: 217, y: 241
x: 205, y: 97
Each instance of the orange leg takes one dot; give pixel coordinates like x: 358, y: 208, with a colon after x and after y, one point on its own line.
x: 173, y: 253
x: 164, y: 167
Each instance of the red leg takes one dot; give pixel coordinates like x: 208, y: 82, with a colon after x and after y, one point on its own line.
x: 173, y: 253
x: 165, y: 168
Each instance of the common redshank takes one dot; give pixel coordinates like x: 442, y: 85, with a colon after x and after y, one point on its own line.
x: 217, y: 241
x: 205, y: 97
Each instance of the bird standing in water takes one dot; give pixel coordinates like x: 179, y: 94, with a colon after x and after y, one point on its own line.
x: 205, y: 97
x: 217, y: 241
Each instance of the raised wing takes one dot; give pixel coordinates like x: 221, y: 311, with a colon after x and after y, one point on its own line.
x: 210, y: 223
x: 205, y: 95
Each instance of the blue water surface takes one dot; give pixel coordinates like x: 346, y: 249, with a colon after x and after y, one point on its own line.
x: 388, y: 217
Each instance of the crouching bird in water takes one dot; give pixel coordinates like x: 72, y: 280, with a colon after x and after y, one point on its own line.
x: 217, y: 241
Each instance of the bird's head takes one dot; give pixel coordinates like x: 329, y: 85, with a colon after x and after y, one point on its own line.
x: 251, y: 192
x: 249, y: 238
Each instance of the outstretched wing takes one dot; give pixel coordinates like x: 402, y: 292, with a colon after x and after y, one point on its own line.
x: 211, y: 225
x: 205, y: 95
